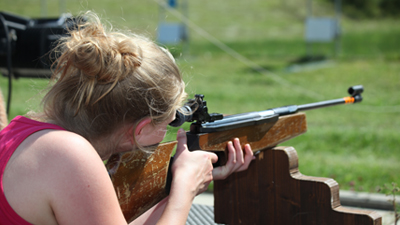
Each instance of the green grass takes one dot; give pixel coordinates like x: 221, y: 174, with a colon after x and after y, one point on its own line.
x: 357, y: 145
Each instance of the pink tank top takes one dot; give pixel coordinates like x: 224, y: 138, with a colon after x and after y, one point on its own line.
x: 10, y: 138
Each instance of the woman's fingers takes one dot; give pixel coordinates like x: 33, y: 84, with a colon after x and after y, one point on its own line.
x: 238, y: 160
x: 182, y: 142
x: 213, y: 157
x: 239, y: 151
x: 249, y: 156
x: 231, y: 152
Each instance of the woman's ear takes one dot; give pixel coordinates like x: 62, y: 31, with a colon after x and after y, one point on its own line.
x: 142, y: 124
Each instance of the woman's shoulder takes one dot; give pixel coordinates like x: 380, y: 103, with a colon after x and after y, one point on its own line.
x: 55, y: 145
x: 46, y: 155
x: 62, y: 142
x: 56, y: 171
x: 79, y: 180
x: 64, y: 153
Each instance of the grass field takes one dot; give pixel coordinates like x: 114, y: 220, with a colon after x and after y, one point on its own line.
x: 357, y: 145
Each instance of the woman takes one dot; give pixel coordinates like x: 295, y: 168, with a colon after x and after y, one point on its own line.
x: 113, y: 92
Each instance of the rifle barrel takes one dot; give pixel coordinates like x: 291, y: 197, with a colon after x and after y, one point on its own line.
x: 286, y: 110
x: 345, y: 100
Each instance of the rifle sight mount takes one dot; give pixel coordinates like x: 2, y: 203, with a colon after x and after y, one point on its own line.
x: 195, y: 110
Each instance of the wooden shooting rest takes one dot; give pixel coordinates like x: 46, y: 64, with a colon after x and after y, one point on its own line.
x: 271, y: 191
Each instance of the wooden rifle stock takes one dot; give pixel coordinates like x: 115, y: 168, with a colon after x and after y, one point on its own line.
x: 139, y: 178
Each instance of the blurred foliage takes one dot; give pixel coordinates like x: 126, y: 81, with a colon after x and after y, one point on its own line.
x: 370, y: 8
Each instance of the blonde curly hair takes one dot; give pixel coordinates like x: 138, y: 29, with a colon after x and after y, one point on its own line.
x: 105, y: 79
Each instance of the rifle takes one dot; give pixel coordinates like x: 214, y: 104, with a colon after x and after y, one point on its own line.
x: 142, y: 179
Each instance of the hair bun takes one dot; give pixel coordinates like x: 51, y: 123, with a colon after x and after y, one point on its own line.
x: 101, y: 57
x: 130, y: 58
x: 87, y: 58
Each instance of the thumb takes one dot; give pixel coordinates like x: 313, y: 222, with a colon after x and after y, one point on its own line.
x: 213, y: 157
x: 182, y: 141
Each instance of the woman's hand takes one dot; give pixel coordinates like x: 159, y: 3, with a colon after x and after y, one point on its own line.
x: 193, y: 169
x: 237, y: 160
